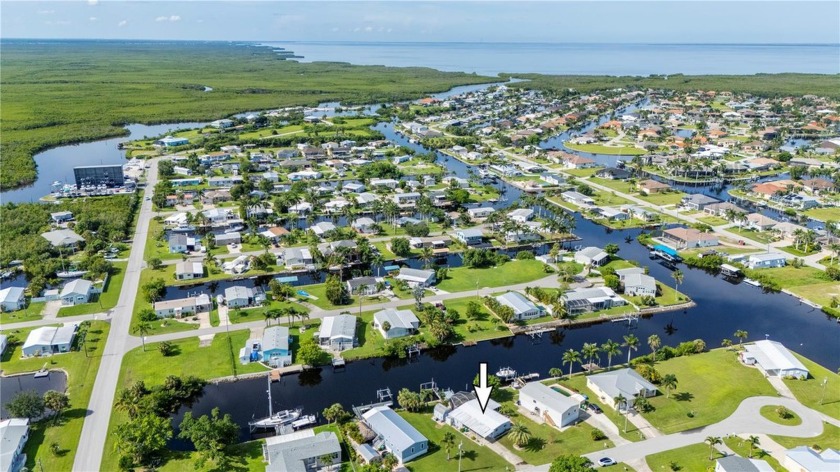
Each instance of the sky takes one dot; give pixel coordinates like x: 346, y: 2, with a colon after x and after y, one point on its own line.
x: 672, y: 21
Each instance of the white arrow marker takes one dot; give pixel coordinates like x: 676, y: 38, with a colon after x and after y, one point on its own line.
x: 482, y: 391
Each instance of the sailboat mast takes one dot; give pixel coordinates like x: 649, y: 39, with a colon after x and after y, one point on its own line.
x: 268, y: 385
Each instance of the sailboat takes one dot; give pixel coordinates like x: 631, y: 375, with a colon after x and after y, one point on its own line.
x: 281, y: 418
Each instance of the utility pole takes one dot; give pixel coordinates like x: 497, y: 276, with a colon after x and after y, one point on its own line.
x: 460, y: 453
x: 825, y: 381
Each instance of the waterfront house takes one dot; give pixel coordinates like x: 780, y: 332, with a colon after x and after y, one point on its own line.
x: 482, y: 212
x: 12, y: 299
x: 274, y: 348
x: 765, y: 260
x: 353, y: 187
x: 301, y: 208
x: 815, y: 186
x: 416, y: 277
x: 613, y: 214
x: 304, y: 175
x: 773, y: 359
x: 552, y: 179
x: 395, y: 434
x: 178, y: 243
x: 337, y: 332
x: 48, y: 340
x: 638, y: 212
x: 224, y: 239
x: 321, y: 229
x: 720, y: 209
x: 362, y: 286
x: 592, y: 256
x: 787, y: 230
x: 571, y: 161
x: 613, y: 173
x: 399, y: 323
x: 76, y: 292
x: 741, y: 464
x: 188, y: 270
x: 239, y: 296
x: 61, y: 216
x: 805, y: 459
x: 584, y: 300
x: 217, y: 215
x: 759, y: 222
x: 639, y: 285
x: 687, y: 238
x: 183, y: 306
x: 224, y: 182
x: 553, y: 407
x: 14, y: 432
x: 389, y: 184
x: 297, y: 257
x: 466, y: 413
x: 521, y: 215
x: 650, y: 187
x: 350, y: 248
x: 302, y: 451
x: 365, y: 225
x: 577, y: 198
x: 470, y: 236
x: 63, y: 238
x: 275, y: 233
x: 523, y: 308
x: 698, y: 201
x: 407, y: 199
x: 170, y: 141
x: 625, y: 382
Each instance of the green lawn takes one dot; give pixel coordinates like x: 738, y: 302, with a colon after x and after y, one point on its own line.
x: 475, y: 457
x: 611, y: 150
x: 763, y: 237
x: 830, y: 438
x: 81, y: 374
x: 320, y: 292
x: 586, y: 172
x: 769, y: 412
x: 245, y: 457
x: 578, y: 384
x: 107, y: 299
x: 713, y: 220
x: 820, y: 293
x: 164, y: 325
x: 742, y: 448
x: 31, y: 313
x: 156, y: 245
x: 824, y: 214
x: 809, y: 392
x: 245, y: 315
x: 668, y: 296
x: 548, y: 442
x: 463, y: 279
x: 485, y: 326
x: 629, y: 188
x: 798, y: 252
x: 806, y: 282
x: 694, y: 458
x: 705, y: 388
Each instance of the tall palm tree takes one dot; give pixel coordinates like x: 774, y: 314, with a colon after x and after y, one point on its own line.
x: 448, y: 442
x: 426, y: 255
x: 519, y: 434
x: 754, y: 442
x: 677, y: 275
x: 741, y: 335
x: 631, y: 342
x: 712, y: 441
x: 590, y: 350
x: 610, y: 348
x: 570, y: 357
x: 142, y: 328
x: 654, y: 342
x: 619, y: 401
x: 669, y: 381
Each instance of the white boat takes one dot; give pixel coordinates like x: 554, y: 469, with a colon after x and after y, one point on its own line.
x: 234, y: 229
x: 70, y: 274
x: 303, y: 421
x: 506, y: 373
x: 183, y: 228
x: 273, y: 420
x: 752, y: 282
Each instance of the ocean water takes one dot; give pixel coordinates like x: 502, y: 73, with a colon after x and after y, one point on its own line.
x: 580, y: 58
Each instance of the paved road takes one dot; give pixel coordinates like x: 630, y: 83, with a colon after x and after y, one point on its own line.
x: 95, y: 429
x: 745, y: 420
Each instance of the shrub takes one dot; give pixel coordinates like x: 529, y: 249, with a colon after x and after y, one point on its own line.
x: 598, y: 435
x: 524, y: 255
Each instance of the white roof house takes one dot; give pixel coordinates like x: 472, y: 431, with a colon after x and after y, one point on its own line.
x: 14, y: 432
x: 741, y: 464
x: 188, y: 270
x: 76, y: 291
x: 239, y: 296
x: 765, y: 260
x: 401, y: 322
x: 62, y: 237
x: 415, y: 277
x: 592, y: 256
x: 338, y: 332
x: 805, y: 459
x: 49, y: 340
x: 12, y: 299
x: 521, y: 214
x: 582, y: 300
x: 395, y: 434
x: 523, y: 308
x: 625, y: 382
x: 555, y: 408
x: 773, y: 359
x: 489, y: 425
x: 301, y: 451
x: 639, y: 284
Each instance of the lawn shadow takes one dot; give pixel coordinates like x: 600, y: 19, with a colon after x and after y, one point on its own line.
x: 535, y: 445
x: 683, y: 396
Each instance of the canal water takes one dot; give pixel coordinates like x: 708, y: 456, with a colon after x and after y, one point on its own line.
x: 11, y: 386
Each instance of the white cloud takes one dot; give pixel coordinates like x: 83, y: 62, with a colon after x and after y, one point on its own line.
x: 93, y: 18
x: 368, y: 29
x: 122, y: 23
x: 172, y: 18
x: 162, y: 18
x: 46, y: 12
x: 93, y: 2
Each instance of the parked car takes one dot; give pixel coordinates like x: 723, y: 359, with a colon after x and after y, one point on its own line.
x: 606, y: 461
x: 595, y: 408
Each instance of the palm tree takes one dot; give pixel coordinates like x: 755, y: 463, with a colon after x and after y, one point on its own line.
x: 426, y: 255
x: 610, y: 348
x: 631, y: 342
x: 619, y: 401
x: 654, y: 342
x: 727, y: 343
x: 677, y: 275
x: 590, y: 350
x: 448, y: 442
x: 570, y: 357
x: 741, y: 335
x: 712, y: 441
x: 754, y: 442
x: 669, y: 381
x: 519, y: 434
x: 142, y: 328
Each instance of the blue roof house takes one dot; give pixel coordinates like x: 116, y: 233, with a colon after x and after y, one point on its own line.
x: 275, y: 346
x: 395, y: 434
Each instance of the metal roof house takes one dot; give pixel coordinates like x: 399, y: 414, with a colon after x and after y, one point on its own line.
x: 742, y: 464
x: 12, y: 299
x: 14, y: 432
x: 805, y: 459
x: 275, y: 346
x: 48, y: 340
x: 188, y: 270
x: 552, y: 406
x: 362, y: 285
x: 583, y: 300
x: 470, y: 236
x: 239, y: 296
x: 337, y: 332
x: 76, y: 292
x: 415, y: 277
x: 765, y: 260
x: 625, y: 382
x: 489, y: 425
x: 773, y: 359
x: 395, y: 434
x: 62, y: 237
x: 592, y: 256
x: 523, y: 308
x: 400, y: 323
x: 639, y: 284
x: 301, y: 451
